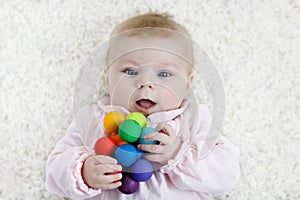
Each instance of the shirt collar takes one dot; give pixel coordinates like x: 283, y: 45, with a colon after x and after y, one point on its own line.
x: 105, y: 105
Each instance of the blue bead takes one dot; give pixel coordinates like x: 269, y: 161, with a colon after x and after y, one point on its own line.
x: 146, y: 131
x: 126, y: 154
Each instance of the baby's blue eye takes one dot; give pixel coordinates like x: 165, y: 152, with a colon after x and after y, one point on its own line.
x: 164, y: 74
x: 131, y: 72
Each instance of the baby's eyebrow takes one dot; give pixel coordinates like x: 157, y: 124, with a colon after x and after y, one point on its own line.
x: 131, y: 61
x: 136, y: 63
x: 169, y: 64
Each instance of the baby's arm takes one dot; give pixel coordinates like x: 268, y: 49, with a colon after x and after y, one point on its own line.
x: 215, y: 174
x: 70, y: 160
x: 63, y: 171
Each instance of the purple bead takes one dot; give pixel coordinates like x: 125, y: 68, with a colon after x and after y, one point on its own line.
x: 129, y: 185
x: 141, y: 170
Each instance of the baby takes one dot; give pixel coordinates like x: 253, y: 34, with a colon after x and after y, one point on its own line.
x: 149, y: 69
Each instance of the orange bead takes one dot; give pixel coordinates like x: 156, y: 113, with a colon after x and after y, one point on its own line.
x: 112, y: 120
x: 118, y: 140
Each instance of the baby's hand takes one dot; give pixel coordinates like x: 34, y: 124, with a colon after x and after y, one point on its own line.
x: 102, y: 172
x: 169, y: 145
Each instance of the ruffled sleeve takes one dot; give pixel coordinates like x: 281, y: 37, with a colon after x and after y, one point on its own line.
x: 205, y: 163
x: 64, y: 165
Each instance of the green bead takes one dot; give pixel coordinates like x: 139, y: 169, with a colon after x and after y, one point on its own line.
x: 139, y: 118
x: 130, y: 130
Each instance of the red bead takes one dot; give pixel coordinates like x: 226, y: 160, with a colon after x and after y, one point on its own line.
x: 105, y: 146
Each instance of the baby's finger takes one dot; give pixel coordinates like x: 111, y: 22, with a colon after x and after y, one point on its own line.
x: 151, y: 148
x: 161, y: 126
x: 160, y: 137
x: 110, y: 186
x: 166, y: 128
x: 107, y: 169
x: 153, y: 157
x: 111, y: 178
x: 110, y: 169
x: 100, y: 159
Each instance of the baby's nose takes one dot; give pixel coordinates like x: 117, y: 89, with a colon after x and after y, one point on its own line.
x: 146, y: 85
x: 145, y: 80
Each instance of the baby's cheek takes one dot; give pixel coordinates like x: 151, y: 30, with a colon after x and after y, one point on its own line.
x: 121, y: 93
x: 169, y: 100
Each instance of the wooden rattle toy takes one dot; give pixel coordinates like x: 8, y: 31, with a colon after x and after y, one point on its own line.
x: 125, y: 134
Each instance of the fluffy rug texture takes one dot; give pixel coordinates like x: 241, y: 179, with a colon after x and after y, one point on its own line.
x: 255, y: 46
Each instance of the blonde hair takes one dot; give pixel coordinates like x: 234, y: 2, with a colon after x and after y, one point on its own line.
x: 150, y: 20
x: 146, y: 25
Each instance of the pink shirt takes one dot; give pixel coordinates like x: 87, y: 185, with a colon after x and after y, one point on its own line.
x: 192, y: 174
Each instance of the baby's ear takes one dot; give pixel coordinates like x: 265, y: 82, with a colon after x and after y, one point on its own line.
x: 190, y: 79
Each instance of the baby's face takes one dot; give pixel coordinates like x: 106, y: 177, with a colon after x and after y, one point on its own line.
x: 147, y: 76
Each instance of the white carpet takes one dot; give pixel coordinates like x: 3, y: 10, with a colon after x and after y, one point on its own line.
x: 254, y: 44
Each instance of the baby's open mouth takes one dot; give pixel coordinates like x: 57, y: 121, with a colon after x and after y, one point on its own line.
x: 145, y: 103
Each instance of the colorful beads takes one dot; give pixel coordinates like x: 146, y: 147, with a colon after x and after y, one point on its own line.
x: 130, y: 130
x: 105, y: 146
x: 145, y: 132
x: 129, y: 185
x: 126, y: 154
x: 126, y: 134
x: 139, y: 118
x: 141, y: 170
x: 112, y: 120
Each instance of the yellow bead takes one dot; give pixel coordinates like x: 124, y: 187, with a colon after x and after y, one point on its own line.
x: 112, y: 120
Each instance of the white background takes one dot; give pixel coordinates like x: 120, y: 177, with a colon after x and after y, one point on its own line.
x: 254, y: 44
